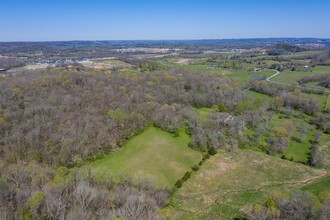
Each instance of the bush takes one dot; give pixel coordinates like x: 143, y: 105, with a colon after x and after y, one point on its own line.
x: 176, y: 134
x: 212, y: 151
x: 178, y: 184
x: 195, y: 167
x: 206, y: 156
x: 186, y: 176
x: 296, y: 139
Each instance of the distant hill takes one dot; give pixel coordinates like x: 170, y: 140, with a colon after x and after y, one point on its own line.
x: 283, y: 48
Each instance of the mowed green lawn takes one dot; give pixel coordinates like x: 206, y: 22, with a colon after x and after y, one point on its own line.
x: 155, y: 154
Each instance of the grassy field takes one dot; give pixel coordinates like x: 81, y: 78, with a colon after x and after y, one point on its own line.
x: 241, y: 74
x: 300, y: 55
x: 110, y: 61
x: 248, y: 75
x: 231, y: 181
x: 291, y: 77
x: 155, y: 154
x: 258, y: 95
x: 318, y: 186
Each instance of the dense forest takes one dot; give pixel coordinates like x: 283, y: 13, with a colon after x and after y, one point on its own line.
x: 65, y: 117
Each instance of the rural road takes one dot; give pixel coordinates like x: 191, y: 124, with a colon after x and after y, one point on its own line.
x: 277, y: 72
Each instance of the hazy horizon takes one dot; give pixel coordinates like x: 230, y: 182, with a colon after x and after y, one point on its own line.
x: 197, y: 39
x: 99, y: 20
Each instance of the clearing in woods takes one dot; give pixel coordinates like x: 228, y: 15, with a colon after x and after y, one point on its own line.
x: 155, y: 154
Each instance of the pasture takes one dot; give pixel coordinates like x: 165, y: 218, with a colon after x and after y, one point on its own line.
x: 155, y: 154
x: 230, y: 182
x: 291, y: 77
x: 242, y: 75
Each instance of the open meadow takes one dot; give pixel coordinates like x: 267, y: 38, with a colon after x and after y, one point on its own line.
x: 154, y: 154
x: 230, y: 182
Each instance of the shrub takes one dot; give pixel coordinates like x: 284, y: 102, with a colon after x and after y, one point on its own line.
x: 206, y: 156
x: 195, y: 167
x: 212, y: 151
x: 35, y: 202
x: 178, y: 184
x: 186, y: 176
x: 296, y: 139
x: 176, y: 134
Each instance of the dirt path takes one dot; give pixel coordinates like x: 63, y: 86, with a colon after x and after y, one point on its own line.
x: 272, y: 76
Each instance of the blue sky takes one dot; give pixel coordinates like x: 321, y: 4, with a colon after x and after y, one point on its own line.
x: 47, y: 20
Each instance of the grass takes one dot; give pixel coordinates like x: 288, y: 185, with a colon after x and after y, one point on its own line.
x: 230, y: 182
x: 258, y: 95
x: 241, y: 74
x: 291, y: 77
x: 321, y: 99
x: 204, y: 112
x: 325, y: 150
x: 300, y: 55
x: 296, y: 150
x: 110, y: 61
x: 248, y: 75
x: 327, y: 103
x: 318, y: 186
x: 155, y: 154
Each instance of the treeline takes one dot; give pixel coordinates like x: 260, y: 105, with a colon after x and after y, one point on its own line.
x: 7, y: 63
x: 32, y: 191
x: 322, y: 80
x: 283, y: 48
x: 300, y: 205
x: 295, y: 99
